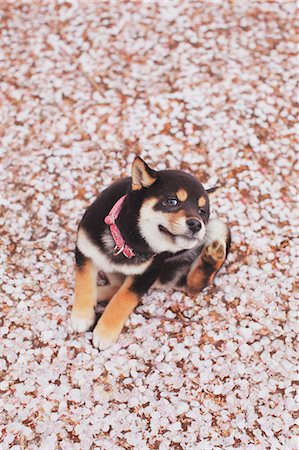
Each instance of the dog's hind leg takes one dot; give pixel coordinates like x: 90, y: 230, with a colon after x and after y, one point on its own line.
x: 83, y: 314
x: 211, y: 258
x: 107, y: 292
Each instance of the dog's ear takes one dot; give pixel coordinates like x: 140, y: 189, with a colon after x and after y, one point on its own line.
x: 142, y: 174
x: 211, y: 191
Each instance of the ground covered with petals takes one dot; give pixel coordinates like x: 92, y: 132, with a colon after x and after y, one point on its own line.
x: 207, y: 87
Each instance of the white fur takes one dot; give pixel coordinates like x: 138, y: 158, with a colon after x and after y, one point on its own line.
x: 102, y: 339
x: 216, y: 231
x: 107, y: 240
x: 90, y: 250
x: 149, y: 222
x: 83, y: 322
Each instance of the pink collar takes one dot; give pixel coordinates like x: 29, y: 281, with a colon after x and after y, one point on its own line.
x: 120, y: 245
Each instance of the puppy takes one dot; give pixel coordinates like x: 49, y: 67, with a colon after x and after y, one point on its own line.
x: 151, y: 229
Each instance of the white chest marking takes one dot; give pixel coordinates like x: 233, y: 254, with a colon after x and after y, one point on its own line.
x: 103, y: 263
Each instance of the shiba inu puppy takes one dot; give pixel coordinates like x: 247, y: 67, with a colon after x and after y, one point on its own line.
x: 150, y: 229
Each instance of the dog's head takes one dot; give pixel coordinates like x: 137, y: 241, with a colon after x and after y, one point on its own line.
x: 173, y: 207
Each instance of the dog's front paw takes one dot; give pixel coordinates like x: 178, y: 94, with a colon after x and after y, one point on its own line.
x: 214, y: 252
x: 82, y: 320
x: 104, y: 336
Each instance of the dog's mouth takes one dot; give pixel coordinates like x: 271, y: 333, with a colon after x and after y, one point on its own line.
x: 173, y: 236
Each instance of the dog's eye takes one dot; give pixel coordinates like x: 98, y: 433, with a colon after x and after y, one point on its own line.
x: 201, y: 211
x: 171, y: 201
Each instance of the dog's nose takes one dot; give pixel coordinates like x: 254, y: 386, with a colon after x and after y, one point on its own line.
x: 194, y: 224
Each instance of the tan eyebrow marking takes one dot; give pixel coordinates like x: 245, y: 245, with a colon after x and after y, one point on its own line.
x: 201, y: 202
x: 182, y: 195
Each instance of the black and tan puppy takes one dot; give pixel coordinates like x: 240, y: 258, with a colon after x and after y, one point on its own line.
x: 150, y: 229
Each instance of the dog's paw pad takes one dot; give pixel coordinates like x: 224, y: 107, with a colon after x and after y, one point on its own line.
x: 215, y: 252
x: 82, y: 322
x: 103, y: 337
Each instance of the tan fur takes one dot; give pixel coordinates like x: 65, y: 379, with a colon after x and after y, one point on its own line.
x: 214, y: 255
x: 175, y: 216
x: 85, y: 291
x: 201, y: 202
x: 115, y: 282
x: 136, y: 187
x: 85, y: 286
x: 150, y: 202
x: 115, y: 279
x: 106, y: 292
x: 196, y: 279
x: 182, y: 195
x: 140, y: 177
x: 116, y: 313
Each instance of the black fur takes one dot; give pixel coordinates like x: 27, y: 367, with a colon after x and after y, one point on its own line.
x: 165, y: 183
x: 80, y: 258
x: 164, y: 218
